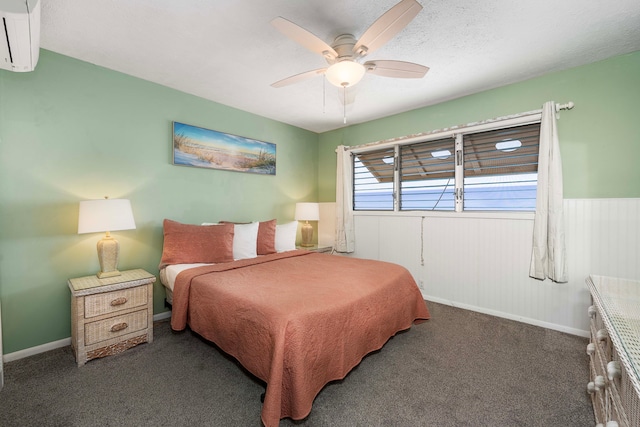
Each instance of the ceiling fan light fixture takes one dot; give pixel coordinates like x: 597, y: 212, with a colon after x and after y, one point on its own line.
x: 345, y: 73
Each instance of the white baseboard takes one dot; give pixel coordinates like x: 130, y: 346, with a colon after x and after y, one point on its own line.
x: 553, y: 326
x: 162, y: 316
x: 21, y: 354
x: 32, y: 351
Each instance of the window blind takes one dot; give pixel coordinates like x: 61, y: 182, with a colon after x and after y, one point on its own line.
x: 373, y: 180
x: 427, y: 175
x: 500, y: 168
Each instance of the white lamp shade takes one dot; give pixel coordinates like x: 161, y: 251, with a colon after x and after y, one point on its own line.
x: 105, y: 215
x: 307, y: 212
x: 345, y: 73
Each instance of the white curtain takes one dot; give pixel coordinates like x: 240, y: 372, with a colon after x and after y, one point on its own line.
x: 548, y: 257
x: 345, y: 236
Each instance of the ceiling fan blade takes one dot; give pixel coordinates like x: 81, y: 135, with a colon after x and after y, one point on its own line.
x: 398, y: 69
x: 298, y: 78
x: 387, y: 26
x: 304, y: 37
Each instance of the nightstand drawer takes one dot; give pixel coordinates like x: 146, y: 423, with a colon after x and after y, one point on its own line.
x: 95, y: 305
x: 113, y: 327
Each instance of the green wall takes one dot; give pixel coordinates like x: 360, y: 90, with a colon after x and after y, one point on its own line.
x: 72, y: 131
x: 599, y: 138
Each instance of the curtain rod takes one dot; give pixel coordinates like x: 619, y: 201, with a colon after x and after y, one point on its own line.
x: 568, y: 106
x: 504, y: 121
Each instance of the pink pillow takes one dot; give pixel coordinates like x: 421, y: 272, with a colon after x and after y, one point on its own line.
x: 187, y: 244
x: 267, y: 237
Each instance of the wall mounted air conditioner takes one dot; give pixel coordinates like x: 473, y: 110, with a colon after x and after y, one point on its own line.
x: 19, y: 34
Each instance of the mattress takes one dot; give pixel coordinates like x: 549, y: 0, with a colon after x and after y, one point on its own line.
x: 168, y: 276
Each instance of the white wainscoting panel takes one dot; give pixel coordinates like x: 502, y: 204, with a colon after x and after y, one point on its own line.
x: 481, y: 261
x: 603, y: 238
x: 606, y: 236
x: 392, y: 239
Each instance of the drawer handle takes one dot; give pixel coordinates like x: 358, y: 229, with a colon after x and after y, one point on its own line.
x: 119, y: 301
x: 613, y: 370
x: 591, y: 349
x: 591, y: 311
x: 602, y: 335
x: 599, y: 383
x: 591, y: 387
x: 119, y: 326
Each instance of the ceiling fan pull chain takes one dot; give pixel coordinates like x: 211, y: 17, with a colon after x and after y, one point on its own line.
x: 324, y: 95
x: 344, y: 104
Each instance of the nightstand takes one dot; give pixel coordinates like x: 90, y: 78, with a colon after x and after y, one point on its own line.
x: 110, y: 315
x: 316, y: 248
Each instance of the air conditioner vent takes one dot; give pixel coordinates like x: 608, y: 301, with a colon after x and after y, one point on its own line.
x: 19, y: 35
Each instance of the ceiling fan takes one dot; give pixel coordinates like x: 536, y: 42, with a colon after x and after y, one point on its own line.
x: 345, y: 53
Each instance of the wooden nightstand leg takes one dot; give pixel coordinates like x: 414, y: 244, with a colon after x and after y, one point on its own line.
x: 77, y: 334
x: 150, y: 311
x: 81, y: 359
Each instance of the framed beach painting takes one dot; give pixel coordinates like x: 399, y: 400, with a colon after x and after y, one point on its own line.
x: 204, y: 148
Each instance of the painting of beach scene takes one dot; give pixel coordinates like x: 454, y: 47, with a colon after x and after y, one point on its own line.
x: 204, y: 148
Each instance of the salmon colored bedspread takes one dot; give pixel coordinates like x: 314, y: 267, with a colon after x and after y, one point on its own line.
x: 297, y: 320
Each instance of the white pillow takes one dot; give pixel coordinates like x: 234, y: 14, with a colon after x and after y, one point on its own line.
x: 245, y: 240
x: 286, y: 236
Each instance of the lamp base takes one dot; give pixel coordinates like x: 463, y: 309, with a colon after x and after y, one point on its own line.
x: 307, y: 235
x: 105, y: 274
x: 108, y: 251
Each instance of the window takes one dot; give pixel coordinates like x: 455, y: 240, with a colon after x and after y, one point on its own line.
x: 501, y: 169
x: 427, y: 180
x: 493, y: 170
x: 373, y: 177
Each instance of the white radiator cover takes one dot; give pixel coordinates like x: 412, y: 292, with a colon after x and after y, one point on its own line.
x: 481, y: 261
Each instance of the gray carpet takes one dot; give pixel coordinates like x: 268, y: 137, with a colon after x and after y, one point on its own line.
x: 460, y: 368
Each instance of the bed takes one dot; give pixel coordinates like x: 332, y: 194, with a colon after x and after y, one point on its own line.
x: 295, y: 319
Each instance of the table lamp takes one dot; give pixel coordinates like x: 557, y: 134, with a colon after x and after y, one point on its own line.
x: 106, y: 215
x: 307, y: 212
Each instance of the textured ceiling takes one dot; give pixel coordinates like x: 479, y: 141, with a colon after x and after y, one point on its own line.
x: 227, y: 51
